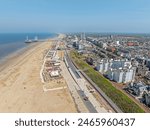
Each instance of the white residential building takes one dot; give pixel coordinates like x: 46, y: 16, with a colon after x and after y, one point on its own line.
x: 118, y: 76
x: 120, y: 71
x: 100, y: 67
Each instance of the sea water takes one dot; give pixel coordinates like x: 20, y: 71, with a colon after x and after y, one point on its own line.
x: 11, y: 42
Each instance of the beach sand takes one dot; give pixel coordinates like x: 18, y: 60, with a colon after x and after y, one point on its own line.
x: 21, y: 89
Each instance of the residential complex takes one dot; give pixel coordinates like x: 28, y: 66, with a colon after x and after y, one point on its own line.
x: 120, y: 71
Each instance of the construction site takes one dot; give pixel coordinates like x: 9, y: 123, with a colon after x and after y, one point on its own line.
x: 50, y: 73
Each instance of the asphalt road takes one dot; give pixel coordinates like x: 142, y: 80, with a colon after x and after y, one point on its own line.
x: 73, y: 68
x: 87, y: 103
x: 81, y: 93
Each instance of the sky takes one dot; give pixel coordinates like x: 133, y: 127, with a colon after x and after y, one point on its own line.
x: 124, y: 16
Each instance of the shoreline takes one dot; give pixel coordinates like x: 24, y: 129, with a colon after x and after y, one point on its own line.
x: 11, y: 57
x: 18, y: 53
x: 23, y: 47
x: 21, y: 89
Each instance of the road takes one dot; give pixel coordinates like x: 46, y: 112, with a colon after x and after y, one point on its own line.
x: 73, y: 87
x: 73, y: 68
x: 88, y: 99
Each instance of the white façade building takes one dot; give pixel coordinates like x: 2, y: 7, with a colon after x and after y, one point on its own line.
x: 121, y: 75
x: 120, y: 71
x: 100, y: 67
x: 121, y: 64
x: 110, y: 74
x: 106, y: 66
x: 114, y: 64
x: 103, y: 66
x: 129, y: 75
x: 118, y: 76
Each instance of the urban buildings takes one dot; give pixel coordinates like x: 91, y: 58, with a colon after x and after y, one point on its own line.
x: 138, y: 89
x: 120, y: 71
x: 120, y: 58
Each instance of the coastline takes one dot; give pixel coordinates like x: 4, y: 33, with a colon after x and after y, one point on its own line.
x: 12, y: 56
x: 12, y: 42
x: 21, y: 89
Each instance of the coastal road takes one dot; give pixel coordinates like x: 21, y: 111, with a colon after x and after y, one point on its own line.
x: 88, y: 99
x: 73, y: 68
x: 73, y: 87
x: 81, y: 93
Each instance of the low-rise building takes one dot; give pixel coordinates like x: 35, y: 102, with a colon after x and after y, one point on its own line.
x: 138, y: 89
x: 54, y: 73
x: 142, y: 70
x: 147, y: 99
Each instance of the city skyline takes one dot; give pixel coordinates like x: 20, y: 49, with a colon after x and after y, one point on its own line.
x: 75, y: 16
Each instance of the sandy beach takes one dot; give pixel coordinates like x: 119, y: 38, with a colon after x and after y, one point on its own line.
x: 21, y: 88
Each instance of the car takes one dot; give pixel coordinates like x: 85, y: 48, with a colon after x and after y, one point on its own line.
x: 85, y: 98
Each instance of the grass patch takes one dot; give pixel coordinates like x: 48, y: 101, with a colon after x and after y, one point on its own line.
x: 119, y: 98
